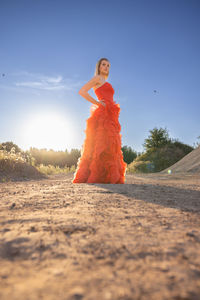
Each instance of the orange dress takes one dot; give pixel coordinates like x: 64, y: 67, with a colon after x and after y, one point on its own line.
x: 101, y: 158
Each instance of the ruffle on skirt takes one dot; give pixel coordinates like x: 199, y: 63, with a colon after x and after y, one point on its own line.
x: 101, y: 158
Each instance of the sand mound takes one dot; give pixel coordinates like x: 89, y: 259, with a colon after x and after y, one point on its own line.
x: 189, y: 163
x: 16, y: 170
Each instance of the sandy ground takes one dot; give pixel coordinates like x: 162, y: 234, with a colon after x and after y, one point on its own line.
x: 139, y: 240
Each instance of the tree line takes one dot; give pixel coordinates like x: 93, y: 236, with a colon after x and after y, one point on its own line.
x: 160, y: 151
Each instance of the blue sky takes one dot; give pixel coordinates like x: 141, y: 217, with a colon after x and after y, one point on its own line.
x: 49, y: 49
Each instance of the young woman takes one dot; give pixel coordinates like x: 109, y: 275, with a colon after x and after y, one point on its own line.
x: 101, y: 158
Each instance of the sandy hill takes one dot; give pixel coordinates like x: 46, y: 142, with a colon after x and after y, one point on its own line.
x: 13, y: 170
x: 189, y: 163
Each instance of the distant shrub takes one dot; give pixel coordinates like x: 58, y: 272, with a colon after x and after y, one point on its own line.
x: 161, y: 152
x: 50, y: 169
x: 55, y: 158
x: 8, y: 146
x: 128, y: 154
x: 140, y: 167
x: 10, y: 150
x: 4, y: 155
x: 156, y: 160
x: 186, y: 148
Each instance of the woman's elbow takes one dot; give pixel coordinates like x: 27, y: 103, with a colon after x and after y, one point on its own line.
x: 81, y: 92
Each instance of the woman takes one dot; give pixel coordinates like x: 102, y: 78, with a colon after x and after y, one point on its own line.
x: 101, y: 158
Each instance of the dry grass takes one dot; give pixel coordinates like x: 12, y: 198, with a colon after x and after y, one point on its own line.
x: 13, y: 166
x: 50, y: 169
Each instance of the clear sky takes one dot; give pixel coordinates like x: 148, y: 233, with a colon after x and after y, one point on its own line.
x: 49, y: 49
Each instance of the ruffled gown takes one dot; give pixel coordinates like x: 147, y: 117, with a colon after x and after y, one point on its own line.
x: 101, y: 159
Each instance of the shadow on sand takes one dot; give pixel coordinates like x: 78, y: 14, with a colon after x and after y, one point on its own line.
x: 184, y: 199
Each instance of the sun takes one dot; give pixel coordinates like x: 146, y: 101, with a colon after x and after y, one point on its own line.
x: 47, y: 130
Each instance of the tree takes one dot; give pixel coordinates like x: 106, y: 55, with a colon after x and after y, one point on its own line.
x: 128, y: 154
x: 73, y: 157
x: 7, y: 146
x: 156, y: 139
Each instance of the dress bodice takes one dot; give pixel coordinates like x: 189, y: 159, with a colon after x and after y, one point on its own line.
x: 105, y: 92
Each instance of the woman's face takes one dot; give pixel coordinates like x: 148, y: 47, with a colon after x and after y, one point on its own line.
x: 104, y: 67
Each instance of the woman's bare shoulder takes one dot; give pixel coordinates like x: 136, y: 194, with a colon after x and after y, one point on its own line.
x: 95, y: 79
x: 98, y: 81
x: 93, y: 82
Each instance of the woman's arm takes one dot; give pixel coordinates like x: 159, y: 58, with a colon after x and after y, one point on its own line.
x: 84, y: 90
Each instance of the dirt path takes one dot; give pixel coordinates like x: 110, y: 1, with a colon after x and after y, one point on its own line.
x: 139, y: 240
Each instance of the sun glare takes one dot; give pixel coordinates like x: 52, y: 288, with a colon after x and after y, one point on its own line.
x: 48, y: 130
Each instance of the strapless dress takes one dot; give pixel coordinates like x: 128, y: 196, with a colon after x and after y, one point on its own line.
x: 101, y: 159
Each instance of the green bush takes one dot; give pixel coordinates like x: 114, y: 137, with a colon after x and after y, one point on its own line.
x: 128, y: 154
x: 140, y: 167
x: 163, y: 157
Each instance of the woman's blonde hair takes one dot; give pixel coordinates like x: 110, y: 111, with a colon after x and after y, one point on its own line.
x: 97, y: 72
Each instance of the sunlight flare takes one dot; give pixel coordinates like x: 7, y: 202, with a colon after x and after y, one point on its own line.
x: 47, y: 130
